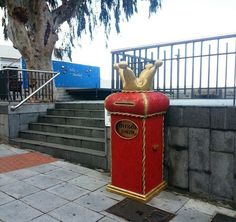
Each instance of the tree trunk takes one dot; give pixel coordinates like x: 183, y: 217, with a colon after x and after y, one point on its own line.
x: 31, y: 29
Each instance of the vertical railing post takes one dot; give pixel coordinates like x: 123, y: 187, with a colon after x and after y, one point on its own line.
x: 200, y: 73
x: 112, y: 71
x: 192, y: 86
x: 185, y: 67
x: 209, y: 71
x: 226, y: 70
x: 164, y: 74
x: 171, y: 65
x: 234, y: 76
x: 178, y: 57
x: 217, y: 64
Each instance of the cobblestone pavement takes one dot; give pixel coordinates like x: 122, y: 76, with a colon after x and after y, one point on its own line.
x: 62, y: 191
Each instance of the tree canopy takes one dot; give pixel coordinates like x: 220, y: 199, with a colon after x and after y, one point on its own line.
x: 33, y: 26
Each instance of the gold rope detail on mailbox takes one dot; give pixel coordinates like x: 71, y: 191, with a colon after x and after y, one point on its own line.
x: 163, y: 142
x: 144, y: 156
x: 137, y: 115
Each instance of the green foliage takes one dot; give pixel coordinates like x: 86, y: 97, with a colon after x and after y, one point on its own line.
x: 84, y: 16
x: 2, y: 3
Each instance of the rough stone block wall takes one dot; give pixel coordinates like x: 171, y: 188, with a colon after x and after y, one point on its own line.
x: 200, y: 150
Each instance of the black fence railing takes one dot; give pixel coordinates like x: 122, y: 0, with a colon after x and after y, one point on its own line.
x: 18, y: 84
x: 198, y: 68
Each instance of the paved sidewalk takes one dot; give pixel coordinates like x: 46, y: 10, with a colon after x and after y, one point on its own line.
x: 61, y: 191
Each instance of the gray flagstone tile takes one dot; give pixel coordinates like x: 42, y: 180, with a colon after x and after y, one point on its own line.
x: 96, y: 202
x: 42, y: 181
x: 74, y: 213
x: 19, y: 189
x: 44, y: 201
x: 88, y: 183
x: 68, y: 191
x: 17, y: 211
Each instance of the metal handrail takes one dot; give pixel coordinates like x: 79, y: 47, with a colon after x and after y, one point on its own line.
x: 13, y: 108
x: 188, y: 65
x: 149, y: 46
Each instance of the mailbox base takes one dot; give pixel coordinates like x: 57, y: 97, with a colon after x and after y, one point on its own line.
x: 137, y: 196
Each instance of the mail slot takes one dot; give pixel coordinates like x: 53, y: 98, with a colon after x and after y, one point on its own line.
x: 137, y: 120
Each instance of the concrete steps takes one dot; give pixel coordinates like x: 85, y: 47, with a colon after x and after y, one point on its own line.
x: 76, y: 113
x: 67, y: 120
x: 87, y: 157
x: 73, y: 131
x: 68, y: 129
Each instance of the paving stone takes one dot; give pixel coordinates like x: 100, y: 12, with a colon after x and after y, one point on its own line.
x: 60, y: 163
x: 168, y: 201
x: 44, y: 201
x: 178, y: 168
x: 6, y: 152
x: 75, y: 168
x: 199, y: 143
x: 178, y: 136
x: 4, y: 198
x: 17, y: 211
x: 44, y: 168
x: 4, y: 180
x: 87, y: 182
x: 19, y: 189
x: 208, y: 208
x: 111, y: 195
x: 196, y: 117
x: 96, y: 202
x: 222, y: 175
x: 68, y: 191
x: 74, y: 213
x: 43, y: 182
x: 44, y: 218
x: 99, y: 175
x: 22, y: 174
x: 13, y: 149
x: 191, y: 215
x: 222, y: 141
x: 62, y: 174
x: 199, y: 182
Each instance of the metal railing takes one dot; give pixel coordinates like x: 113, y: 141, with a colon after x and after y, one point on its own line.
x: 198, y: 68
x: 20, y: 85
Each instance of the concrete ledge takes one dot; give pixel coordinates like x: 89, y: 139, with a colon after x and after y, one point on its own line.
x: 11, y: 122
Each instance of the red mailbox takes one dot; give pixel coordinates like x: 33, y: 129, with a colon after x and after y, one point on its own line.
x: 137, y: 120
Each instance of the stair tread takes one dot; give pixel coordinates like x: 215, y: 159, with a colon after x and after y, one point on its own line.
x: 86, y: 110
x: 69, y: 126
x: 72, y: 117
x: 60, y: 146
x: 95, y: 139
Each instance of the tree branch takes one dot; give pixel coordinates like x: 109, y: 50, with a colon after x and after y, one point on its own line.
x: 65, y: 11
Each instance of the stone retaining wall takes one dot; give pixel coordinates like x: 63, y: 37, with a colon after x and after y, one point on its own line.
x: 11, y: 122
x: 200, y: 150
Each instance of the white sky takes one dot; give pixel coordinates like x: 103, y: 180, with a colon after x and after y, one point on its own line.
x: 177, y: 20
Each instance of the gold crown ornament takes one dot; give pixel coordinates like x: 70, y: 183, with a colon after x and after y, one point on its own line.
x: 131, y: 82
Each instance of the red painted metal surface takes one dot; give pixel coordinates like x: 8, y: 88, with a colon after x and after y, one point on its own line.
x: 137, y: 160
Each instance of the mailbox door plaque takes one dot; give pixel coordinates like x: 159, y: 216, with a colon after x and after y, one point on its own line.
x: 126, y: 129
